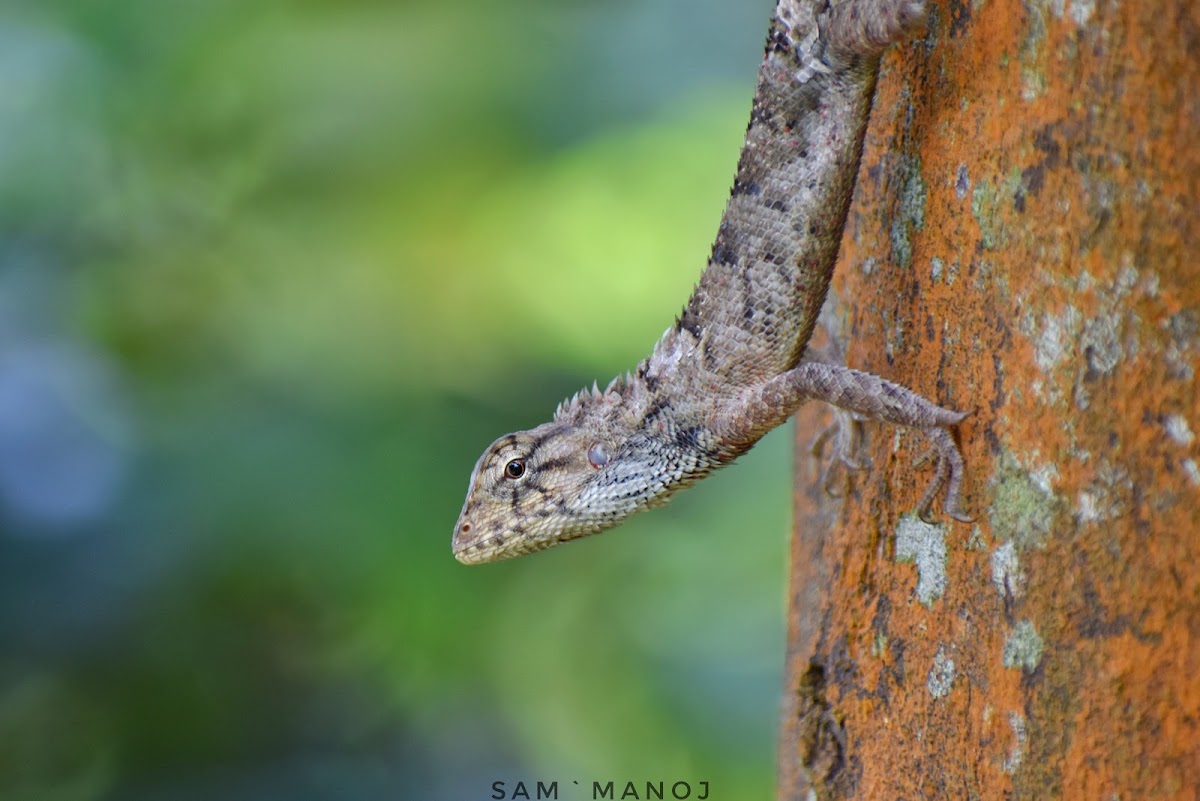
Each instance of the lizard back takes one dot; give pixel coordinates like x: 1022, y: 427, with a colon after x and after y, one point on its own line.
x: 754, y: 308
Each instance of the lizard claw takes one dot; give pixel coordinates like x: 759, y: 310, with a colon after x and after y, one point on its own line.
x: 849, y: 451
x: 949, y: 475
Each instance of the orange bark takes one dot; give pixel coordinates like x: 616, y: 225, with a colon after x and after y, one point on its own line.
x: 1021, y: 244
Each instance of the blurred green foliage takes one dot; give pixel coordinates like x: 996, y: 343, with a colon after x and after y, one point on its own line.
x: 271, y: 276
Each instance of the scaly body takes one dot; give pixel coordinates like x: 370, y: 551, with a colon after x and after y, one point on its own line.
x: 731, y: 367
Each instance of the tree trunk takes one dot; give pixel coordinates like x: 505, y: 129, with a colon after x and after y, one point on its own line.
x: 1021, y: 246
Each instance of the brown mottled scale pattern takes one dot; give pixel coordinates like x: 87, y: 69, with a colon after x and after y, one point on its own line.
x: 757, y: 301
x: 729, y: 370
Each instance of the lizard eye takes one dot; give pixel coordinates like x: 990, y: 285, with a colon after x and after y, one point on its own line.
x: 514, y: 469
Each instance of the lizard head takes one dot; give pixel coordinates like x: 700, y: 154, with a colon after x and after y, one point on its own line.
x: 528, y: 492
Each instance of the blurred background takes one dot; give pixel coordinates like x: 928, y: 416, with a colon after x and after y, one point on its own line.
x: 272, y: 274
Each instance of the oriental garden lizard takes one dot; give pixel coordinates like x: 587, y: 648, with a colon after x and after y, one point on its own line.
x: 733, y: 365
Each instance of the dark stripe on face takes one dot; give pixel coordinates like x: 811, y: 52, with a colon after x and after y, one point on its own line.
x: 506, y: 442
x: 555, y: 463
x: 543, y: 439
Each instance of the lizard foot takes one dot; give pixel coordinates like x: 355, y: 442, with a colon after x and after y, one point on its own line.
x: 949, y: 475
x: 863, y: 396
x: 849, y: 450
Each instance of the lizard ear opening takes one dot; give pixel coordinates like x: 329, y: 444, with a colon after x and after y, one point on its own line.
x: 598, y: 455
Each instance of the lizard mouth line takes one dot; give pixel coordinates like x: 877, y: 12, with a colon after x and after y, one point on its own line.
x: 493, y: 548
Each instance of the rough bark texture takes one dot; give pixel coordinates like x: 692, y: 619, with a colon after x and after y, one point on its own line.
x: 1020, y: 244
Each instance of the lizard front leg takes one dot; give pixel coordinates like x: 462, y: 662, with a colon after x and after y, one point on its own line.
x: 862, y: 395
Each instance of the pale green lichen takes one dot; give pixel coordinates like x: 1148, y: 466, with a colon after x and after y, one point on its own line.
x: 1023, y: 648
x: 1006, y: 571
x: 1054, y: 336
x: 1183, y: 331
x: 988, y: 277
x: 1178, y: 429
x: 1108, y: 497
x: 1033, y: 83
x: 940, y: 271
x: 880, y: 646
x: 1082, y: 11
x: 985, y: 208
x: 1078, y: 11
x: 1032, y: 53
x: 910, y: 214
x: 894, y: 325
x: 1192, y: 471
x: 976, y: 542
x: 1017, y: 721
x: 941, y: 675
x: 1024, y: 505
x: 925, y: 545
x: 1101, y: 342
